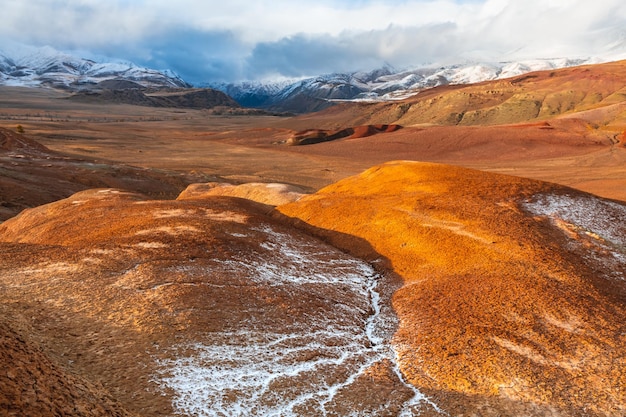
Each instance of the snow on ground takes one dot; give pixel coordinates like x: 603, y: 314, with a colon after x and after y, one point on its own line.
x: 309, y: 368
x: 598, y: 225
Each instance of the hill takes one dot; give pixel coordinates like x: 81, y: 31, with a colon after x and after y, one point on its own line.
x: 151, y: 299
x: 593, y: 92
x: 513, y: 290
x: 463, y: 292
x: 175, y: 98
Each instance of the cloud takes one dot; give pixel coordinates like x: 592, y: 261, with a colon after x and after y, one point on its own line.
x: 197, y: 55
x: 305, y: 55
x: 212, y: 41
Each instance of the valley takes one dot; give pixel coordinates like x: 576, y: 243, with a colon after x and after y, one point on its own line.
x: 161, y: 261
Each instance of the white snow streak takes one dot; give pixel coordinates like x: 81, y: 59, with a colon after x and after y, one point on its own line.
x: 600, y: 224
x: 261, y: 372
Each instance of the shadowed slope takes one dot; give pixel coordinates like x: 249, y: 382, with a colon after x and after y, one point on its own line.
x: 31, y: 384
x: 513, y: 296
x: 31, y: 175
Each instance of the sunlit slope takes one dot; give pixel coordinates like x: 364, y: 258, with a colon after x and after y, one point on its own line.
x: 513, y: 295
x: 534, y: 96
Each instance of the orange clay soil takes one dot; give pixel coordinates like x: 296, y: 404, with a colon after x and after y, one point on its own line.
x: 34, y: 385
x: 502, y: 312
x: 203, y: 307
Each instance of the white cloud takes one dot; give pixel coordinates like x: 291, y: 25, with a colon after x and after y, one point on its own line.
x: 226, y: 39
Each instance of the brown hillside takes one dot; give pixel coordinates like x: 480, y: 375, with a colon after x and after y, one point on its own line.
x: 313, y: 136
x: 175, y: 98
x: 32, y: 174
x: 534, y: 96
x: 513, y: 297
x: 31, y: 384
x: 14, y: 142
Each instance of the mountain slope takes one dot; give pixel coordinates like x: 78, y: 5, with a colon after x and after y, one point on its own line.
x: 384, y: 84
x: 205, y: 98
x: 596, y: 93
x: 49, y: 67
x: 514, y: 290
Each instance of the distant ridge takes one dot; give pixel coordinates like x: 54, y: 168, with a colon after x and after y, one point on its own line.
x: 48, y: 67
x: 383, y: 84
x: 125, y: 92
x: 593, y: 93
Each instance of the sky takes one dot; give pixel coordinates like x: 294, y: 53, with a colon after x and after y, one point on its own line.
x: 232, y: 40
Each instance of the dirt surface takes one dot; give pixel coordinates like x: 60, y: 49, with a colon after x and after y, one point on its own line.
x: 580, y: 146
x: 34, y: 385
x: 204, y: 307
x: 31, y: 175
x: 513, y: 297
x: 465, y: 292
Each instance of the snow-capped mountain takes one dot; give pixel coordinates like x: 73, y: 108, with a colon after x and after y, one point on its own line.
x: 382, y: 84
x: 48, y: 67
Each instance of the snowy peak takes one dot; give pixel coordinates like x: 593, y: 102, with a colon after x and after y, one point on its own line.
x: 382, y: 84
x: 48, y: 67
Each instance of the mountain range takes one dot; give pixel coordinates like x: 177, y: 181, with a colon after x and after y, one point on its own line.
x: 383, y: 84
x: 48, y: 67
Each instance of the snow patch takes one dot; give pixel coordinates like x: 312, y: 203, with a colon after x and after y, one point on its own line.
x: 151, y: 245
x: 215, y: 215
x: 590, y: 222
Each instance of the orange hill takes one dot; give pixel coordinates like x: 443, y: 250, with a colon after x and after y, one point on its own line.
x: 202, y: 306
x: 513, y: 295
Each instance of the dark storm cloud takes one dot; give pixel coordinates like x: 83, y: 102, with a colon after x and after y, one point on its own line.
x: 198, y: 56
x: 303, y: 55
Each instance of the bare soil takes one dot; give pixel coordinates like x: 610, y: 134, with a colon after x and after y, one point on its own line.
x: 502, y: 295
x: 573, y: 151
